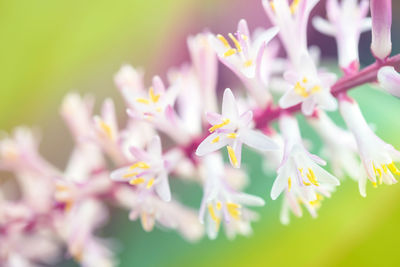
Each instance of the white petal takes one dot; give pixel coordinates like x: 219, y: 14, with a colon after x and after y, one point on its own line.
x: 323, y: 26
x: 327, y: 101
x: 362, y: 184
x: 118, y: 175
x: 281, y: 182
x: 389, y: 79
x: 290, y: 99
x: 323, y: 176
x: 257, y: 140
x: 229, y: 107
x: 209, y: 145
x: 162, y: 187
x: 308, y: 106
x: 248, y: 200
x: 154, y: 148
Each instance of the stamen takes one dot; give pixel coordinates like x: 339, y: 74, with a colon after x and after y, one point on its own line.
x: 302, y: 177
x: 244, y: 37
x: 129, y: 175
x: 215, y: 140
x: 232, y: 135
x: 230, y: 52
x: 223, y: 40
x: 272, y: 4
x: 233, y: 210
x: 232, y: 156
x: 289, y: 183
x: 106, y: 129
x: 248, y: 63
x: 315, y: 89
x: 236, y: 42
x: 294, y: 6
x: 393, y: 168
x: 219, y: 205
x: 305, y: 80
x: 300, y: 90
x: 154, y: 98
x: 141, y: 165
x: 136, y: 181
x: 143, y: 100
x: 212, y: 214
x: 311, y: 177
x: 217, y: 126
x: 150, y: 183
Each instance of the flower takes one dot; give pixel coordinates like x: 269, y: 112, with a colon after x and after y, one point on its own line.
x: 292, y: 20
x: 377, y: 156
x: 220, y: 201
x: 342, y: 152
x: 389, y: 79
x: 299, y: 167
x: 232, y: 130
x: 308, y: 87
x: 248, y: 59
x: 150, y: 209
x: 346, y: 21
x: 381, y: 13
x: 150, y: 169
x: 129, y: 81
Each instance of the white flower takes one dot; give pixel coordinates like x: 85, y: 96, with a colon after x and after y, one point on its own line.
x: 232, y: 130
x: 221, y: 203
x: 377, y: 156
x: 308, y: 87
x: 150, y: 169
x: 346, y: 21
x: 389, y: 79
x: 299, y: 168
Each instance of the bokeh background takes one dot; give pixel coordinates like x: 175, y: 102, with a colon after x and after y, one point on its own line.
x: 48, y: 48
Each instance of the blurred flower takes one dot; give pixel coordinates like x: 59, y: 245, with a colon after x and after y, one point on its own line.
x: 224, y: 203
x: 381, y: 13
x: 346, y: 21
x: 232, y: 130
x: 389, y: 79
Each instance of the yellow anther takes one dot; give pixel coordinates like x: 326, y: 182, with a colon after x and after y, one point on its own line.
x: 62, y: 188
x: 223, y: 40
x: 217, y: 126
x: 272, y: 4
x: 212, y: 214
x: 141, y: 165
x: 158, y: 109
x: 232, y: 135
x: 136, y: 181
x: 143, y: 100
x: 232, y: 156
x: 106, y: 129
x: 289, y: 183
x: 244, y: 37
x: 248, y: 63
x: 374, y: 184
x: 305, y: 80
x: 294, y: 6
x: 300, y: 90
x: 236, y: 42
x: 315, y: 89
x: 233, y: 210
x: 130, y: 175
x: 219, y: 205
x: 393, y: 169
x: 384, y: 168
x: 150, y: 183
x: 230, y: 52
x: 215, y: 140
x: 154, y: 98
x: 311, y: 177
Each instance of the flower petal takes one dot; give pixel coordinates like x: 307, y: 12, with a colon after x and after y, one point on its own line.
x: 212, y: 143
x: 162, y: 187
x: 389, y: 79
x: 257, y: 140
x: 229, y: 106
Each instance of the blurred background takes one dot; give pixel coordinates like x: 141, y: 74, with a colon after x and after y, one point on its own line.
x: 49, y: 48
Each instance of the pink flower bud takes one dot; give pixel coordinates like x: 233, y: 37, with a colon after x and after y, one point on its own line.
x: 381, y: 11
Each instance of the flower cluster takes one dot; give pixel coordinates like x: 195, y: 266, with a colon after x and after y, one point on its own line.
x: 175, y: 130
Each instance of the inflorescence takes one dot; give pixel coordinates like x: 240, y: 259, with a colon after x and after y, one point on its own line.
x: 128, y: 167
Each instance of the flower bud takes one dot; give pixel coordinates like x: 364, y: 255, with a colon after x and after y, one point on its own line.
x: 381, y: 12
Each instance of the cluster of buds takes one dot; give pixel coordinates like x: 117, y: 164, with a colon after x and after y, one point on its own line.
x: 176, y: 130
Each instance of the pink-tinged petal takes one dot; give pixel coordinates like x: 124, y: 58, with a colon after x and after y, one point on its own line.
x: 213, y: 118
x: 162, y: 187
x: 308, y: 106
x: 332, y: 9
x: 389, y: 79
x: 265, y: 37
x: 212, y: 143
x: 290, y: 99
x: 291, y: 76
x: 229, y: 106
x: 158, y: 85
x: 381, y: 13
x: 243, y: 28
x: 323, y: 26
x: 327, y: 78
x: 171, y: 115
x: 257, y: 140
x: 246, y: 118
x: 154, y: 147
x: 138, y: 153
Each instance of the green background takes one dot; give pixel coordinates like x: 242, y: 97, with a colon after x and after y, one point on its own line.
x: 48, y: 48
